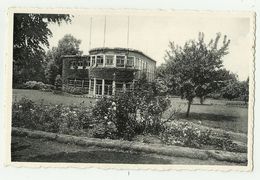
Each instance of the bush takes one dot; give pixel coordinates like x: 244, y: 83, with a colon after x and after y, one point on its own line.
x: 133, y: 113
x: 53, y: 118
x: 37, y: 86
x: 75, y: 90
x: 185, y: 134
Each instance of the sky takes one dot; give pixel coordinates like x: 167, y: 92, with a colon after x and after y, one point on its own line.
x: 151, y: 33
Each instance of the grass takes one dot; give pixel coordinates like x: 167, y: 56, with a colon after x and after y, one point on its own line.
x: 49, y: 98
x: 25, y: 149
x: 214, y: 113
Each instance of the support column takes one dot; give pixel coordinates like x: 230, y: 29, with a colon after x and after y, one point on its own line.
x: 113, y: 88
x: 89, y: 86
x: 104, y: 60
x: 90, y: 57
x: 124, y: 87
x: 94, y: 89
x: 114, y: 61
x: 103, y: 87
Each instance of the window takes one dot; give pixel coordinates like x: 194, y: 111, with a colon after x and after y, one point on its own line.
x: 73, y: 64
x: 99, y: 87
x: 120, y: 61
x: 119, y: 87
x: 109, y: 59
x: 130, y: 61
x: 93, y: 60
x: 100, y: 60
x: 108, y: 87
x: 88, y: 62
x: 129, y: 86
x: 80, y: 64
x: 137, y: 63
x: 92, y: 85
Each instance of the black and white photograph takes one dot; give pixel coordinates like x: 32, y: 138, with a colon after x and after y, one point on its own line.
x: 131, y: 87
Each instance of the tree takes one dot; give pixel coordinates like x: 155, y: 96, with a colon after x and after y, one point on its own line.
x: 236, y: 89
x: 194, y: 68
x: 68, y: 45
x: 245, y: 90
x: 30, y: 36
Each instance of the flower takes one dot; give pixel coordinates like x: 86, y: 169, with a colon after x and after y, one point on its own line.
x: 114, y: 108
x: 105, y: 117
x: 113, y: 103
x: 20, y: 106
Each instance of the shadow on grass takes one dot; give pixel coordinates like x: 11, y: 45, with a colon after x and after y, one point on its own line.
x: 206, y: 116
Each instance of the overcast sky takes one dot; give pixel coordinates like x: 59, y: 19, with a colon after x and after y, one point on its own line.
x: 151, y: 33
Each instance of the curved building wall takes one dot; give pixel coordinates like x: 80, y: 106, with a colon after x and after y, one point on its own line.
x: 105, y: 71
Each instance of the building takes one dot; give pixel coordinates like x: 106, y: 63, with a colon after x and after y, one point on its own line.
x: 105, y: 71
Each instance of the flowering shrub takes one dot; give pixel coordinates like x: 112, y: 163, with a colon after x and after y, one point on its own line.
x: 53, y: 118
x: 37, y: 86
x: 185, y: 134
x: 133, y: 113
x: 75, y: 90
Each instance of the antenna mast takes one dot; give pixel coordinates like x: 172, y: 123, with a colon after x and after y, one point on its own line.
x: 127, y: 40
x: 105, y: 24
x: 90, y: 32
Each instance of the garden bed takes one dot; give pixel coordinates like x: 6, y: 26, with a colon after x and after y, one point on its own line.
x: 134, y: 146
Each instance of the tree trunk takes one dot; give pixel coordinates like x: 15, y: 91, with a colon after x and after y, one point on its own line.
x: 202, y: 100
x: 188, y: 110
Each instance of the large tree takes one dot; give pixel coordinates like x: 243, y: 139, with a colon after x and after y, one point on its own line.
x: 194, y: 68
x: 68, y: 45
x: 30, y: 36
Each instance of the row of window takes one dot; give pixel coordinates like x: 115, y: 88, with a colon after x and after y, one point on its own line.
x: 108, y: 60
x: 108, y: 86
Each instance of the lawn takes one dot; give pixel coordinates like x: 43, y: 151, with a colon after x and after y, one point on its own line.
x: 48, y: 98
x: 214, y: 113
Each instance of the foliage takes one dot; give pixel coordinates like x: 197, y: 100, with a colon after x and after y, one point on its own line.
x: 31, y: 34
x: 235, y: 89
x: 134, y: 112
x: 194, y: 68
x: 58, y: 82
x: 57, y: 119
x: 68, y: 45
x: 37, y: 86
x: 75, y: 90
x: 185, y: 134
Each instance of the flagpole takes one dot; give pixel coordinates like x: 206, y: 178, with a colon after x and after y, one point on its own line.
x: 105, y: 24
x: 90, y: 32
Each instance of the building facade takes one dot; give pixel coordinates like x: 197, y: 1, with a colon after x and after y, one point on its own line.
x: 105, y: 71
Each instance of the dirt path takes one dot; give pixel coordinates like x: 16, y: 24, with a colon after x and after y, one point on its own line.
x: 40, y: 150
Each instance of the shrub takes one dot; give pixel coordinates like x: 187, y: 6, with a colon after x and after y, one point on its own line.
x: 185, y: 134
x: 75, y: 90
x: 37, y: 86
x: 53, y: 118
x: 133, y: 113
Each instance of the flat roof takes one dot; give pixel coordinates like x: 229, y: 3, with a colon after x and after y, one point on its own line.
x: 120, y: 49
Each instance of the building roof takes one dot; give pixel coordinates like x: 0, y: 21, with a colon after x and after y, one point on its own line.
x: 120, y: 49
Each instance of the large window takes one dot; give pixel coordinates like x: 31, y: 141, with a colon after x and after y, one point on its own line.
x: 100, y: 60
x: 93, y: 60
x: 137, y: 63
x: 88, y: 62
x: 73, y: 64
x: 99, y: 87
x: 108, y: 87
x: 80, y: 64
x: 120, y: 61
x: 130, y: 61
x: 119, y: 87
x: 109, y: 60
